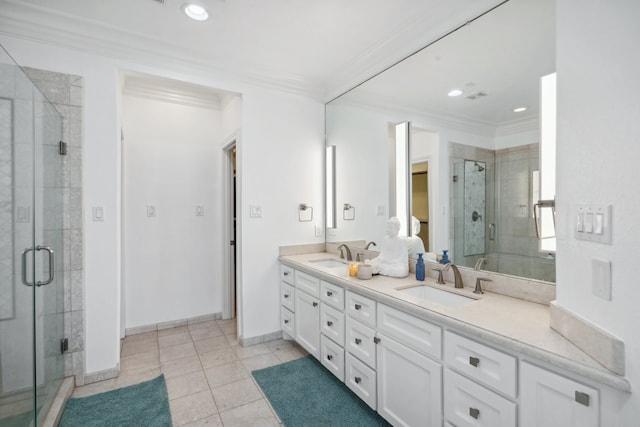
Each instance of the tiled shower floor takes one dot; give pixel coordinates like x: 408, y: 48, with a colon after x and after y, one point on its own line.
x: 208, y: 373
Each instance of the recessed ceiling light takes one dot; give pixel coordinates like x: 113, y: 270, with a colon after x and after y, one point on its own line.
x: 195, y: 11
x: 519, y: 109
x: 455, y: 92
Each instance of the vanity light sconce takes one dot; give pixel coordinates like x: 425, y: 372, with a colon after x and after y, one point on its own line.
x: 348, y: 212
x: 305, y: 212
x: 330, y: 186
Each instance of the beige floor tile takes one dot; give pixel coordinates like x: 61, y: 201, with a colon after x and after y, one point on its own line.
x: 192, y: 408
x: 225, y: 374
x: 129, y: 378
x: 184, y: 385
x: 135, y: 347
x: 174, y: 339
x: 177, y: 352
x: 178, y: 367
x: 229, y: 329
x: 204, y: 333
x: 260, y: 362
x: 279, y: 344
x: 217, y: 358
x: 251, y: 351
x: 232, y: 340
x: 95, y: 388
x: 235, y: 394
x: 172, y: 331
x: 288, y: 354
x: 144, y: 361
x: 146, y: 336
x: 226, y: 322
x: 212, y: 344
x: 254, y: 414
x: 212, y: 421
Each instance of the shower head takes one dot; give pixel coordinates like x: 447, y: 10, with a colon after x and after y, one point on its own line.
x: 479, y: 168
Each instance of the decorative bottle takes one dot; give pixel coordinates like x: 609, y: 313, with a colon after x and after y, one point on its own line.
x: 445, y: 257
x: 420, y: 268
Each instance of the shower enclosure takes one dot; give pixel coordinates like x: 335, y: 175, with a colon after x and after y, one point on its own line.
x: 31, y: 249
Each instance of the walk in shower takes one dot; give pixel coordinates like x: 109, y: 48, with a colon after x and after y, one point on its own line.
x: 32, y: 257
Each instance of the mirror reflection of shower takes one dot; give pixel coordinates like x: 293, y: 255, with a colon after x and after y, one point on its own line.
x: 474, y: 207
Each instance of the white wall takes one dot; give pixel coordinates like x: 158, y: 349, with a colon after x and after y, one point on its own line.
x: 173, y: 261
x: 280, y: 158
x: 597, y: 162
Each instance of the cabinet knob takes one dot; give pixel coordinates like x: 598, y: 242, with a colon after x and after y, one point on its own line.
x: 329, y: 323
x: 286, y: 295
x: 315, y: 304
x: 474, y: 412
x: 376, y: 340
x: 329, y: 293
x: 358, y: 341
x: 357, y: 307
x: 474, y: 361
x: 286, y: 273
x: 357, y: 380
x: 329, y: 357
x: 286, y: 321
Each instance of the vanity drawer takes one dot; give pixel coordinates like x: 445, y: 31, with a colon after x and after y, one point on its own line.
x: 361, y: 308
x: 490, y: 367
x: 332, y: 295
x: 332, y: 323
x: 287, y: 296
x: 469, y: 404
x: 361, y: 379
x: 287, y: 322
x: 411, y: 331
x: 359, y: 341
x: 307, y: 283
x: 286, y: 274
x: 332, y: 357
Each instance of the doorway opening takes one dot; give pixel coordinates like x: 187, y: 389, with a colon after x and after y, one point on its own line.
x: 230, y: 292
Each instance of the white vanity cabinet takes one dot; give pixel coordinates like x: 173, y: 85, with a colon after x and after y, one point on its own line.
x: 287, y: 301
x: 332, y: 328
x: 307, y: 312
x: 551, y: 400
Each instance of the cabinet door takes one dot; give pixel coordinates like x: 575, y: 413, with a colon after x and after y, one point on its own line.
x: 332, y: 357
x: 307, y: 323
x: 551, y: 400
x: 287, y: 321
x: 409, y: 385
x: 361, y: 379
x: 359, y: 341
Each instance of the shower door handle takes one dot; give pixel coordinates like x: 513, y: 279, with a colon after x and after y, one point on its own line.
x: 51, y: 266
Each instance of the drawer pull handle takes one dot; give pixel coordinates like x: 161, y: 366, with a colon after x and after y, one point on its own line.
x: 286, y: 273
x: 357, y: 306
x: 357, y: 380
x: 376, y: 340
x: 474, y: 361
x: 474, y: 412
x: 315, y: 304
x: 329, y: 323
x: 358, y: 341
x: 582, y: 398
x: 329, y: 293
x: 286, y: 295
x: 329, y: 357
x: 286, y: 321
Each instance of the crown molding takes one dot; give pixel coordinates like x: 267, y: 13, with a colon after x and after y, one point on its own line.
x: 38, y: 24
x: 141, y: 87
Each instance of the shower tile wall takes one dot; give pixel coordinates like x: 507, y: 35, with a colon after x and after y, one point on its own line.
x: 6, y: 209
x: 65, y: 92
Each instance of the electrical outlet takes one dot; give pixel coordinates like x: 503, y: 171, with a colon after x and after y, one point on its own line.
x: 255, y: 211
x: 601, y: 278
x: 318, y: 231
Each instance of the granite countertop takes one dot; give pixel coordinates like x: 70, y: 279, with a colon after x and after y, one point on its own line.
x: 513, y: 323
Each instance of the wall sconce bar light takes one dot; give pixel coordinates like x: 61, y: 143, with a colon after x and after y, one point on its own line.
x: 403, y: 184
x: 330, y: 186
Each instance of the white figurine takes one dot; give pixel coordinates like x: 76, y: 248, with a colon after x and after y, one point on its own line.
x: 414, y: 243
x: 393, y: 260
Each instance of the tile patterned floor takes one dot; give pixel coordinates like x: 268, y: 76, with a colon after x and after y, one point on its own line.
x: 208, y: 373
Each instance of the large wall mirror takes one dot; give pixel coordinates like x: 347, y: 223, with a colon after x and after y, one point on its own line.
x: 471, y: 101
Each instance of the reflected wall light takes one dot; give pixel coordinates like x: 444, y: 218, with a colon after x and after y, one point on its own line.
x: 545, y: 222
x: 330, y: 189
x: 403, y: 189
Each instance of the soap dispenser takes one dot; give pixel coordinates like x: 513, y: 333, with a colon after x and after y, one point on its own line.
x: 445, y: 257
x: 420, y: 268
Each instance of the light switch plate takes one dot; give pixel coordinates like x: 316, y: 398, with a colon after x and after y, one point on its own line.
x: 318, y: 231
x: 255, y: 211
x: 151, y: 211
x: 593, y: 223
x: 98, y: 213
x: 199, y: 210
x: 601, y: 278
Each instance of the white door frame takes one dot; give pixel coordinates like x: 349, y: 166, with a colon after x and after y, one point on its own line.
x: 229, y: 286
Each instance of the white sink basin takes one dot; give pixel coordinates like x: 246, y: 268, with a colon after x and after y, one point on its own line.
x: 436, y: 295
x: 329, y: 263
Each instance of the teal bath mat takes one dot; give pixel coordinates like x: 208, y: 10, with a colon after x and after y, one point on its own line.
x: 145, y: 404
x: 305, y: 394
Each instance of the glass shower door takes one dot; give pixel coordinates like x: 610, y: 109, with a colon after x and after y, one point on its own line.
x: 31, y: 249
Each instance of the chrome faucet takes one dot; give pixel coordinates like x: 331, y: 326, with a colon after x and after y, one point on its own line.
x: 479, y: 264
x: 349, y: 257
x: 366, y: 248
x: 456, y: 275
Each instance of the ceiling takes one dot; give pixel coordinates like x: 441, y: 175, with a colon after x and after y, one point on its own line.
x: 320, y: 48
